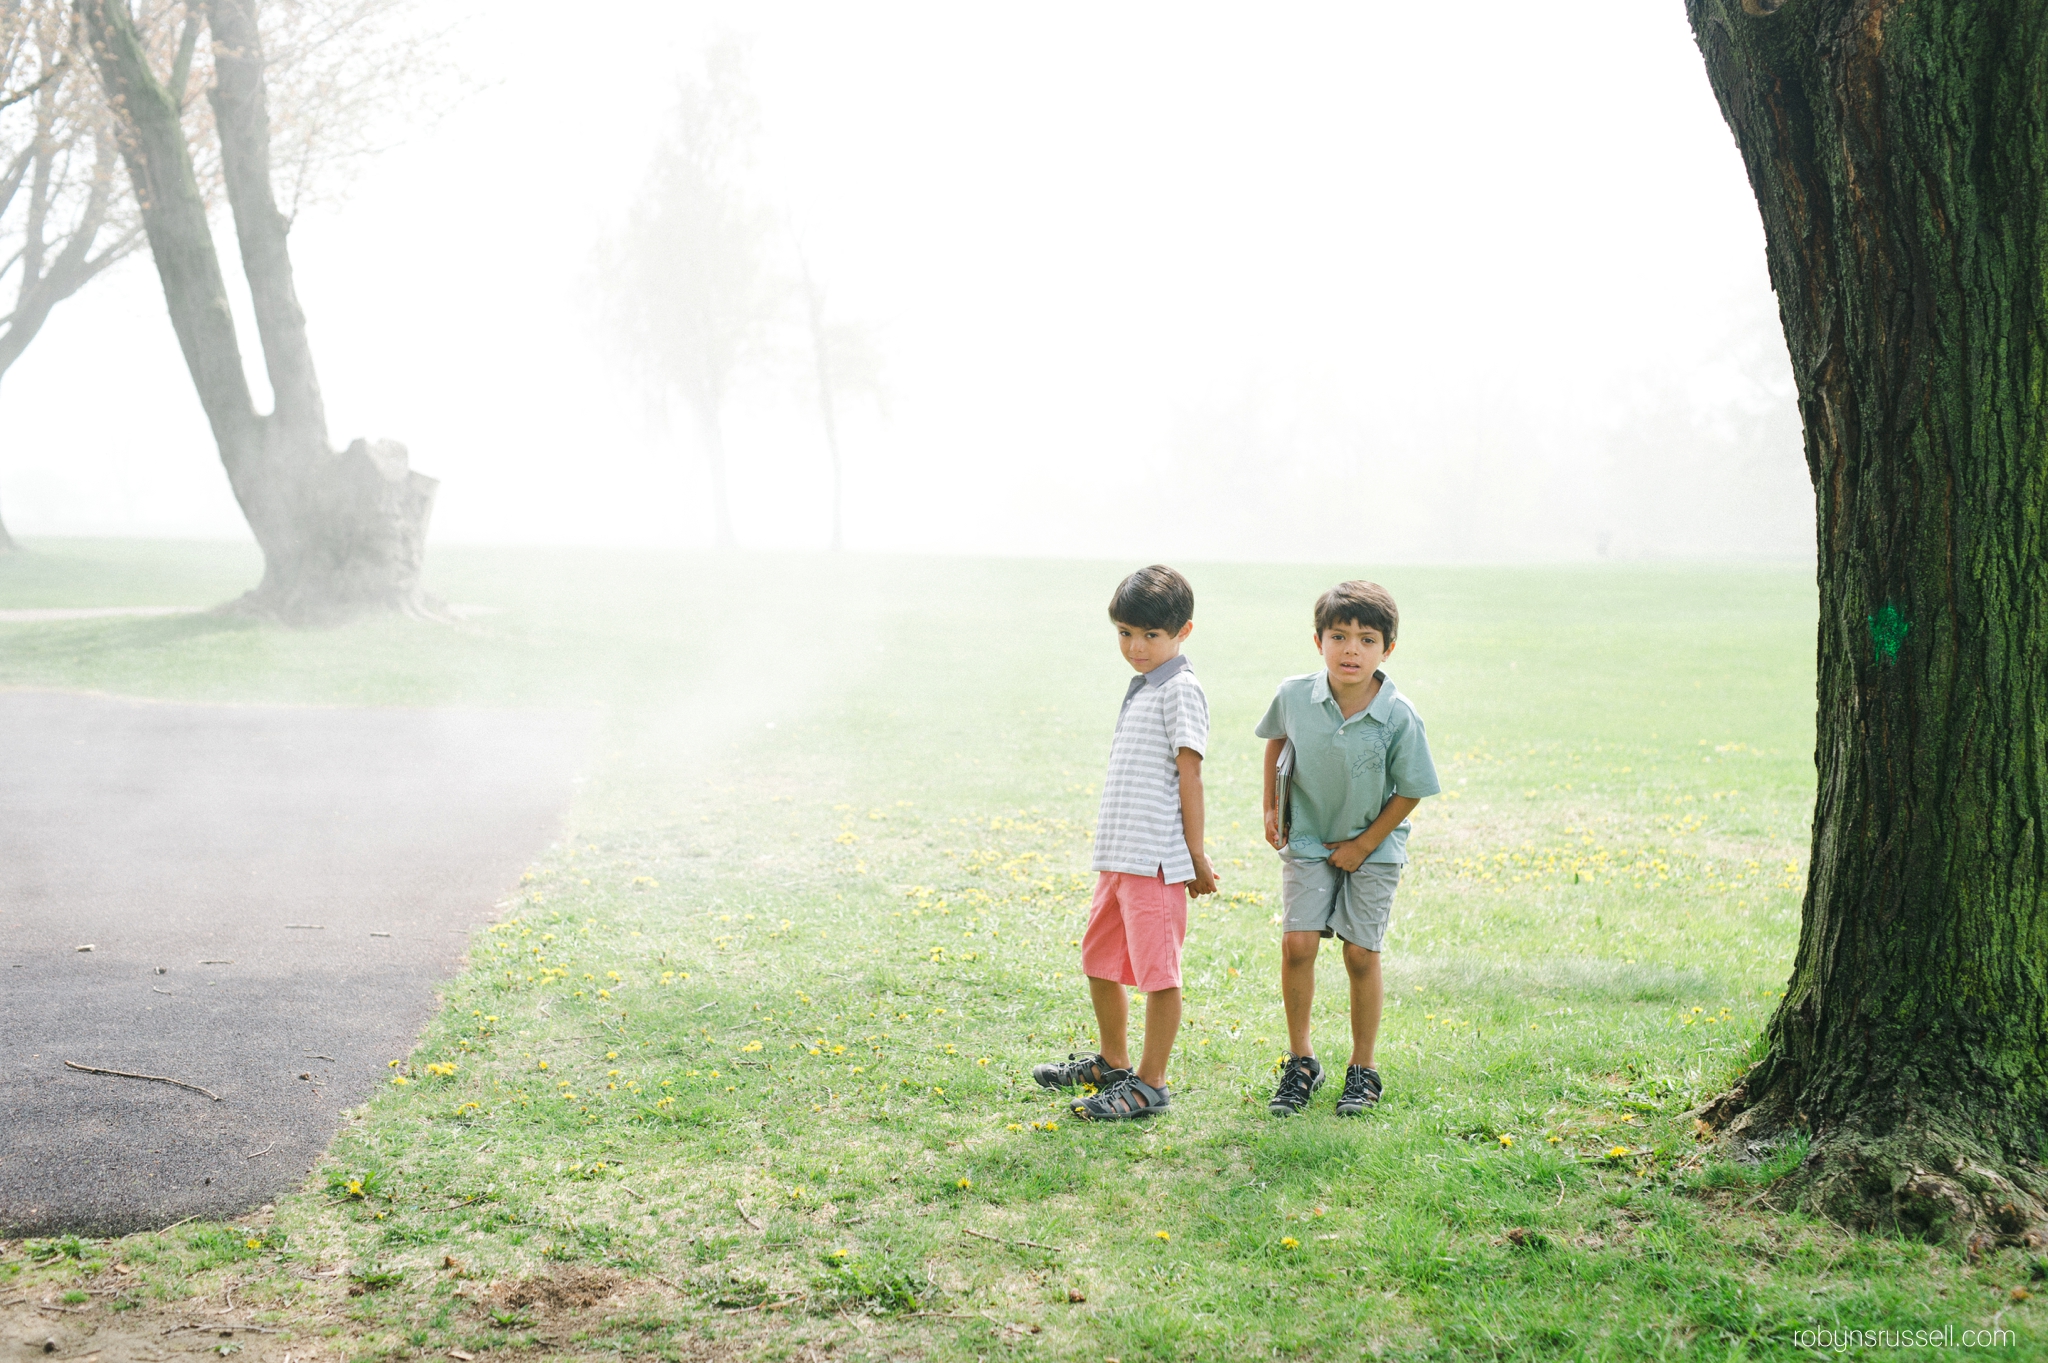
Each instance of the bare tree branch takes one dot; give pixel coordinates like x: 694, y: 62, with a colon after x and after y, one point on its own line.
x: 54, y: 73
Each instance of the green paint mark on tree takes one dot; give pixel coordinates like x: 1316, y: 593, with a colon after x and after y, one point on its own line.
x: 1887, y: 631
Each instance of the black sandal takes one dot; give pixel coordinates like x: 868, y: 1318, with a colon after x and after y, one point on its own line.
x: 1362, y: 1089
x: 1077, y: 1070
x: 1126, y: 1100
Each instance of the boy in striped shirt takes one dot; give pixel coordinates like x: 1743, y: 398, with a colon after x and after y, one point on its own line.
x: 1148, y: 853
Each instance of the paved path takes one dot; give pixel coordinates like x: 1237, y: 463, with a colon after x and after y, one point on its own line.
x: 268, y: 893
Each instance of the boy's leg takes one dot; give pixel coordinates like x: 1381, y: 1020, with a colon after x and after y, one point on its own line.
x: 1367, y: 996
x: 1162, y: 1025
x: 1106, y: 958
x: 1155, y: 928
x: 1113, y: 1022
x: 1364, y: 905
x: 1106, y: 962
x: 1298, y: 986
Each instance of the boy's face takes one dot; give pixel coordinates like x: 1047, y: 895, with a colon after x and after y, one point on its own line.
x: 1144, y: 649
x: 1352, y: 652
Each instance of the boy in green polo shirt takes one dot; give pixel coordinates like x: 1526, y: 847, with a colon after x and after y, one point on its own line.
x: 1353, y: 759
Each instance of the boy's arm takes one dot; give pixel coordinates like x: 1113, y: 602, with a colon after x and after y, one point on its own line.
x: 1274, y: 747
x: 1189, y: 764
x: 1349, y: 856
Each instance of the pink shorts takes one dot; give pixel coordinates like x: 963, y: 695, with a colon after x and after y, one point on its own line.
x: 1135, y: 931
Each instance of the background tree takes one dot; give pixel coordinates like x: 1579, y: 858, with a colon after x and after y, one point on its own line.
x: 689, y: 292
x: 1900, y: 159
x: 845, y: 362
x: 342, y: 76
x: 65, y: 213
x: 340, y: 532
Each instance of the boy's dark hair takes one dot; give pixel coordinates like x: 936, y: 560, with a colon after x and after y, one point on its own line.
x: 1153, y: 598
x: 1366, y: 605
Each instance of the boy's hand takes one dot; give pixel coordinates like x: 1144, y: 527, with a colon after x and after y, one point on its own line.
x: 1273, y: 838
x: 1204, y: 881
x: 1348, y: 856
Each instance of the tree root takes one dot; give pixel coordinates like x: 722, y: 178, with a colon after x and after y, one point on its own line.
x: 1918, y: 1178
x: 310, y: 610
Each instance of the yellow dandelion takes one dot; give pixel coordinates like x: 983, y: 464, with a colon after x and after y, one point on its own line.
x: 1506, y: 1139
x: 1161, y: 1236
x: 965, y: 1183
x: 400, y: 1079
x: 1617, y: 1152
x: 1014, y: 1126
x: 252, y: 1244
x: 1286, y: 1241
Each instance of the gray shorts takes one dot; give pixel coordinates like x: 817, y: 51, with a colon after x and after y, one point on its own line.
x: 1317, y: 897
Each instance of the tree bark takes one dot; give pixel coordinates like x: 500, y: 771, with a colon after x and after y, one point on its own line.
x: 341, y: 533
x: 712, y: 431
x: 821, y: 351
x: 1899, y: 157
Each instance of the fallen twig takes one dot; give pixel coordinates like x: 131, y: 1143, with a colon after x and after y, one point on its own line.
x: 739, y: 1207
x: 629, y: 1189
x: 67, y: 1310
x: 953, y: 1315
x: 264, y: 1151
x: 158, y: 1078
x: 226, y: 1327
x: 762, y: 1306
x: 315, y: 1055
x: 997, y: 1239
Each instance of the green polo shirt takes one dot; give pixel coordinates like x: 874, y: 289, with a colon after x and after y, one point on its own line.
x: 1345, y: 770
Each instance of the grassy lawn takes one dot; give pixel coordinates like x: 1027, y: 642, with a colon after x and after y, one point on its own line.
x: 746, y: 1071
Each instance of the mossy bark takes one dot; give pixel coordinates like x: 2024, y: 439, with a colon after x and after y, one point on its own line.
x: 1899, y: 154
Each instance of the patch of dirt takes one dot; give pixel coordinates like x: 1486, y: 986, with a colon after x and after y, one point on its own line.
x: 32, y: 1328
x: 571, y: 1289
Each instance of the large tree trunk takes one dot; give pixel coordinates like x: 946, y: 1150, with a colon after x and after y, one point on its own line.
x: 1899, y: 155
x: 712, y: 432
x: 821, y: 352
x: 341, y: 533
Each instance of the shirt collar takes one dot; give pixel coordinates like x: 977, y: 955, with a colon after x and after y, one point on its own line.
x: 1319, y: 692
x: 1158, y: 676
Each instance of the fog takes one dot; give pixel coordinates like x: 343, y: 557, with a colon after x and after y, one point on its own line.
x: 1328, y: 282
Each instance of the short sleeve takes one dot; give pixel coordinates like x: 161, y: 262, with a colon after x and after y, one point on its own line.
x: 1187, y: 718
x: 1409, y: 768
x: 1274, y: 722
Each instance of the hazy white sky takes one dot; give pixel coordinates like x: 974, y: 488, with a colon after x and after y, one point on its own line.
x: 1321, y: 281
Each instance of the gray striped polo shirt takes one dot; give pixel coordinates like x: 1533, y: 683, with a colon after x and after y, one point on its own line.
x: 1139, y: 830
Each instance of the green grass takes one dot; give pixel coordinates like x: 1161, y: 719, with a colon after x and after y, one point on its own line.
x: 834, y: 857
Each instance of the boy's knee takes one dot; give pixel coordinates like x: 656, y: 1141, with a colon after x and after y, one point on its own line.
x: 1359, y: 961
x: 1299, y: 948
